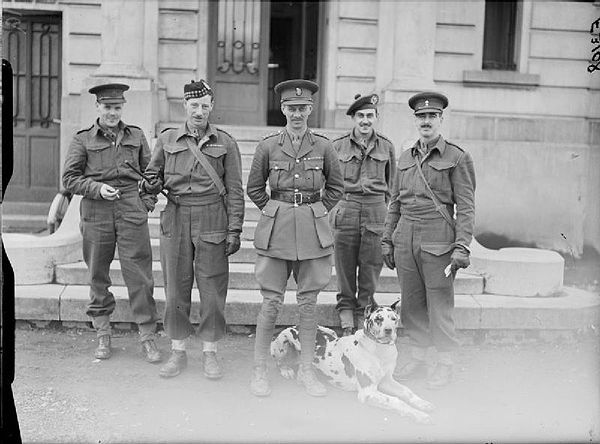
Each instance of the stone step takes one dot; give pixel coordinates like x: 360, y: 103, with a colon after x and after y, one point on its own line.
x: 24, y: 223
x: 576, y: 310
x: 241, y: 276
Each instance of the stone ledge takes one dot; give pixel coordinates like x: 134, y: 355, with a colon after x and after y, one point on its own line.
x: 575, y: 310
x: 500, y: 79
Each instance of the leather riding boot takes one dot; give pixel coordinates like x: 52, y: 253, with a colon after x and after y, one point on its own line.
x: 212, y: 368
x: 308, y: 378
x: 441, y: 377
x: 259, y: 385
x: 103, y: 351
x: 176, y: 363
x: 151, y: 353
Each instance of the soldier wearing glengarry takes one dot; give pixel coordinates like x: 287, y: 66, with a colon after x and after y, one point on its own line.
x: 368, y: 164
x: 113, y: 214
x: 200, y: 166
x: 423, y: 239
x: 293, y: 234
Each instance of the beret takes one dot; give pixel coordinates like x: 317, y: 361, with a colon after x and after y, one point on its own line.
x: 196, y: 89
x: 363, y: 102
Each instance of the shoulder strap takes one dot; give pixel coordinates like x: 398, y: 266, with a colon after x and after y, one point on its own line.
x: 201, y: 158
x: 436, y: 202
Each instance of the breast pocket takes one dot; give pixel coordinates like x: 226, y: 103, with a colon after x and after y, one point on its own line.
x: 314, y: 173
x: 375, y: 165
x: 100, y: 156
x: 131, y: 153
x: 406, y: 172
x: 439, y: 175
x: 278, y: 173
x: 216, y: 156
x: 175, y: 159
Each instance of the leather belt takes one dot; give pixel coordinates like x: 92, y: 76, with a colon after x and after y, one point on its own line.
x: 297, y: 198
x: 190, y: 200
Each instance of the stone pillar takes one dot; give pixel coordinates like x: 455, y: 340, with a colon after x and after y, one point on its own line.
x: 129, y: 52
x: 404, y: 63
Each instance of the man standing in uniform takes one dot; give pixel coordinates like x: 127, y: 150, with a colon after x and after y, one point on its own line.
x: 293, y: 233
x: 424, y: 240
x: 112, y: 213
x: 200, y: 165
x: 368, y: 164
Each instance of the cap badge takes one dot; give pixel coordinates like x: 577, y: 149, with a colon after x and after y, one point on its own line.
x: 426, y: 102
x: 298, y: 91
x: 374, y: 99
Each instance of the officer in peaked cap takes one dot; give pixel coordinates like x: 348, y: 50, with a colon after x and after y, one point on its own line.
x: 428, y: 229
x: 200, y: 166
x: 293, y: 233
x: 114, y: 215
x: 368, y: 163
x: 110, y: 93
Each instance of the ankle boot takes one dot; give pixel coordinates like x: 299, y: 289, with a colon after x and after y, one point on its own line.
x: 259, y: 385
x: 176, y: 363
x: 103, y: 351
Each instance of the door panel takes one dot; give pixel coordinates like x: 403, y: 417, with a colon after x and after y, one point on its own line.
x: 33, y: 47
x: 238, y: 60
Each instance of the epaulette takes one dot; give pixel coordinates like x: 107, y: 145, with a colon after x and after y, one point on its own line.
x: 385, y: 138
x: 85, y: 129
x: 167, y: 129
x: 223, y: 131
x: 268, y: 136
x: 320, y: 135
x: 134, y: 126
x: 454, y: 145
x: 341, y: 137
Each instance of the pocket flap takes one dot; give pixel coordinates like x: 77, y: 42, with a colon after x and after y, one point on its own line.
x: 136, y: 218
x: 346, y: 155
x: 213, y: 238
x: 98, y: 145
x: 174, y: 148
x: 441, y: 165
x: 270, y: 209
x: 279, y: 165
x: 406, y: 164
x: 313, y: 164
x: 319, y: 209
x: 376, y: 228
x: 437, y: 249
x: 379, y: 154
x: 214, y: 151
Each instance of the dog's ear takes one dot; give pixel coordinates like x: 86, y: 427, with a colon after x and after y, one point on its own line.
x: 370, y: 308
x: 394, y: 305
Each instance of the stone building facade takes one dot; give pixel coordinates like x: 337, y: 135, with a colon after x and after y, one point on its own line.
x: 527, y: 108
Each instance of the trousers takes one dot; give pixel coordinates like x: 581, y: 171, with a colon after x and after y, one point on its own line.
x: 272, y: 274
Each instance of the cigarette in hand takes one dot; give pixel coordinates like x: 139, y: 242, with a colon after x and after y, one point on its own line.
x: 447, y: 270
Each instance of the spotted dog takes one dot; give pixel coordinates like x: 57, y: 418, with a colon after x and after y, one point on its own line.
x: 364, y: 362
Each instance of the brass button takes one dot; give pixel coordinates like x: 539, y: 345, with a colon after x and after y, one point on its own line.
x: 296, y: 176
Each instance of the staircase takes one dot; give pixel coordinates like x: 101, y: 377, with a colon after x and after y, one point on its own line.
x: 243, y: 295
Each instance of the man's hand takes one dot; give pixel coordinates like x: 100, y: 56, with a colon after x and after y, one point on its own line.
x: 152, y: 186
x: 232, y: 244
x: 459, y: 259
x: 149, y: 201
x: 109, y: 193
x: 387, y: 250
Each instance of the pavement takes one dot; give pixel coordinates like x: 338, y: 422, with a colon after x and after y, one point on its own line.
x: 536, y: 391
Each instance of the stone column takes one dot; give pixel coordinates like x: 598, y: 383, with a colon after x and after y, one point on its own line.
x: 404, y: 63
x: 129, y: 55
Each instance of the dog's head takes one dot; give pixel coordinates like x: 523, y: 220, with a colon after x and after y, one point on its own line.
x: 382, y: 322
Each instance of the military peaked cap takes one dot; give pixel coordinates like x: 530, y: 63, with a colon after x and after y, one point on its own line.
x: 110, y: 93
x: 427, y: 102
x: 296, y: 92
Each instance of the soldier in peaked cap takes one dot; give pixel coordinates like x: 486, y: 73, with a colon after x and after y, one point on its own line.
x: 428, y: 229
x: 114, y: 214
x: 200, y: 166
x: 293, y: 234
x: 368, y: 163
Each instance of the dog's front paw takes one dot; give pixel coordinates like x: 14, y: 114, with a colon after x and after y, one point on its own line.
x: 426, y: 406
x: 287, y: 372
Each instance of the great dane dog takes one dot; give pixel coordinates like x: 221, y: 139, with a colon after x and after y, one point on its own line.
x: 363, y: 361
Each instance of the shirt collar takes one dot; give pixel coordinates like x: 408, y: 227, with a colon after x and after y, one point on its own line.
x: 183, y: 130
x: 99, y: 130
x: 440, y: 145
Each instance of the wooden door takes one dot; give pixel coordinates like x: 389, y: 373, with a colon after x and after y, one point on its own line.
x: 32, y: 44
x: 238, y: 58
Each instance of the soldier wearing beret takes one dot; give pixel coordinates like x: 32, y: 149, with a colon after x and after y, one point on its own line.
x: 368, y: 164
x: 113, y: 214
x: 200, y: 166
x: 428, y: 229
x: 293, y: 234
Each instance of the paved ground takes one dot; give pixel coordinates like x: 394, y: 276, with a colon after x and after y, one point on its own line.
x: 535, y: 392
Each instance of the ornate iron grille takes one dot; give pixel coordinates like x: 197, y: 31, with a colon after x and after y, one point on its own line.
x: 238, y: 36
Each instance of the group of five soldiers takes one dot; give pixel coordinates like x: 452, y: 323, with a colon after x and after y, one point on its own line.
x: 315, y: 197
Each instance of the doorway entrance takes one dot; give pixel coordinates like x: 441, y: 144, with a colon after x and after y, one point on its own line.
x: 253, y: 46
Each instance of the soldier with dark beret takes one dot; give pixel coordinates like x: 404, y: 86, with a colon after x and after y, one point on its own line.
x: 200, y: 167
x: 293, y: 233
x: 428, y: 229
x: 368, y: 163
x: 114, y: 214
